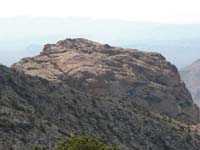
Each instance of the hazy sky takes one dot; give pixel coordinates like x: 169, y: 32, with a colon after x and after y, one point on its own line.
x: 44, y: 21
x: 176, y: 11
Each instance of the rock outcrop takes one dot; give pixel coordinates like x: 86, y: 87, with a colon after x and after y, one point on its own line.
x: 36, y: 111
x: 116, y: 73
x: 191, y: 76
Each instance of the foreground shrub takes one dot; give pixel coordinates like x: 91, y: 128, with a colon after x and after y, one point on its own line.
x: 79, y: 143
x: 39, y: 148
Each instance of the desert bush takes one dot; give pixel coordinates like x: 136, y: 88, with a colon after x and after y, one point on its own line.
x: 83, y: 143
x: 79, y: 143
x: 39, y: 148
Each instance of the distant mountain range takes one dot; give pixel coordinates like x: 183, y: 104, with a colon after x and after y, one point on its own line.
x: 178, y: 42
x: 10, y: 55
x: 191, y: 76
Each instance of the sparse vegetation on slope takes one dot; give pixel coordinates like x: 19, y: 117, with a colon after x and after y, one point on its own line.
x: 52, y: 111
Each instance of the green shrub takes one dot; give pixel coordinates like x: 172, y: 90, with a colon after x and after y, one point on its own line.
x: 82, y: 143
x: 79, y: 143
x: 39, y: 148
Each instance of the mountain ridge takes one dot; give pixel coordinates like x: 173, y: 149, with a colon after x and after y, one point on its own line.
x: 104, y: 70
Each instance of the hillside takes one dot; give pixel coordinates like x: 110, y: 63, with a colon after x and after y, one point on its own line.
x: 35, y: 111
x: 117, y: 73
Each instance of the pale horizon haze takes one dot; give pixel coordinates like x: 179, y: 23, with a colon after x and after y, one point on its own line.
x: 170, y: 11
x: 170, y: 27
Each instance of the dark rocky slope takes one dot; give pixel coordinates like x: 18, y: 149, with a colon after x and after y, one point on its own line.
x: 37, y: 111
x: 116, y: 73
x: 191, y: 76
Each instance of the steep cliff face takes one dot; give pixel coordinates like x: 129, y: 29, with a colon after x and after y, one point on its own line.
x: 191, y: 76
x: 36, y: 111
x: 106, y: 71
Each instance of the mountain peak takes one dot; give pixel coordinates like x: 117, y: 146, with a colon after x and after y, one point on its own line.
x: 73, y: 44
x: 69, y: 41
x: 103, y: 70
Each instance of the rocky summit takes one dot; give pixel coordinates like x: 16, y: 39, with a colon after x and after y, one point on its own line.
x: 191, y: 76
x: 108, y: 72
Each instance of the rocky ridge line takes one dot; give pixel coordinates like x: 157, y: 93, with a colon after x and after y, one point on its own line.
x: 111, y: 72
